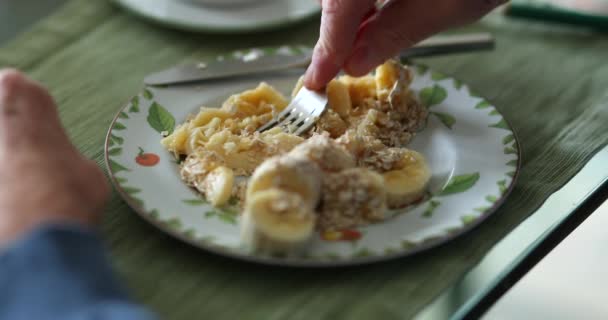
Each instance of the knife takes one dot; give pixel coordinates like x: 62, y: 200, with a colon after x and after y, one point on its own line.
x: 256, y: 62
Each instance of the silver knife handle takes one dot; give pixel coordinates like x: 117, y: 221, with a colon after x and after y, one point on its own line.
x: 451, y: 44
x: 267, y: 63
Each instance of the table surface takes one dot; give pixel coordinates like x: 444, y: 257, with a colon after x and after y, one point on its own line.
x: 464, y: 295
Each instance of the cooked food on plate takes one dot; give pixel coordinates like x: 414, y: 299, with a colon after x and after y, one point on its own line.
x: 344, y: 173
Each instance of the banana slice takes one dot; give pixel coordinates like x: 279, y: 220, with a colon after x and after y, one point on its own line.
x: 291, y: 174
x: 325, y: 152
x: 408, y: 183
x: 338, y: 98
x: 218, y: 186
x: 277, y: 221
x: 352, y: 197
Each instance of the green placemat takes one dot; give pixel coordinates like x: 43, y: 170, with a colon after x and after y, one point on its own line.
x: 547, y: 82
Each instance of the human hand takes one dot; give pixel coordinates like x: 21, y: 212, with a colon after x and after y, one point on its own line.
x: 345, y: 42
x: 43, y: 178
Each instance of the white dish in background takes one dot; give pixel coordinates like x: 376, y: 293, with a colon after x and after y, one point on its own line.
x: 188, y: 15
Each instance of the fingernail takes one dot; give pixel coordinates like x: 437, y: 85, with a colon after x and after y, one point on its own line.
x: 311, y: 76
x: 318, y: 69
x: 360, y: 62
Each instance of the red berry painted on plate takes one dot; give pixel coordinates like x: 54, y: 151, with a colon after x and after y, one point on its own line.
x: 351, y: 235
x: 344, y: 235
x: 146, y: 159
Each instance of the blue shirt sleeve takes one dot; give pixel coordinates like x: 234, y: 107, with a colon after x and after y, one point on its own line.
x: 61, y: 272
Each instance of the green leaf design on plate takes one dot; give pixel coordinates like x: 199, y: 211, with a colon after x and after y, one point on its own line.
x: 482, y: 105
x: 511, y: 174
x: 491, y: 198
x: 332, y: 256
x: 422, y: 69
x: 117, y: 139
x: 154, y: 214
x: 508, y: 138
x: 207, y: 239
x: 512, y: 163
x: 457, y: 84
x: 137, y: 200
x: 123, y: 115
x: 460, y: 183
x: 120, y: 180
x: 173, y: 223
x: 468, y: 219
x: 148, y: 94
x: 433, y: 204
x: 362, y: 253
x: 474, y: 94
x: 160, y: 119
x: 408, y: 245
x: 452, y: 230
x: 482, y: 209
x: 131, y: 190
x: 190, y: 233
x: 447, y: 119
x: 118, y: 126
x: 224, y: 216
x: 502, y: 124
x: 510, y: 150
x: 195, y: 202
x: 115, y: 152
x: 117, y: 167
x: 134, y: 105
x: 502, y: 185
x: 434, y: 95
x: 390, y: 251
x: 494, y: 113
x: 438, y: 76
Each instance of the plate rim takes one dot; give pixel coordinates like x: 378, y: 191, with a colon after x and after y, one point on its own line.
x: 350, y: 261
x: 176, y: 24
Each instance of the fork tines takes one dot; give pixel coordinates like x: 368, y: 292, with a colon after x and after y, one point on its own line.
x: 301, y: 114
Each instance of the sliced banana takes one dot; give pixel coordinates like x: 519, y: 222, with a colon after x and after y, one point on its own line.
x: 218, y: 185
x: 408, y: 183
x: 338, y: 98
x: 277, y: 221
x: 291, y: 174
x: 325, y: 152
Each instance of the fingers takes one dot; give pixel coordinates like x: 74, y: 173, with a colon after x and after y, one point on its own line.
x: 402, y: 23
x: 27, y: 111
x: 340, y: 21
x: 22, y: 96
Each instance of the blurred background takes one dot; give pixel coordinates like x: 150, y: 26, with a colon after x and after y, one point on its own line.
x: 568, y: 283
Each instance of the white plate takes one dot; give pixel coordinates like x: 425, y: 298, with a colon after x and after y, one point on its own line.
x: 473, y: 154
x: 262, y: 15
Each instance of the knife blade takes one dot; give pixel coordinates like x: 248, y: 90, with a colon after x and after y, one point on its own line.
x: 256, y: 62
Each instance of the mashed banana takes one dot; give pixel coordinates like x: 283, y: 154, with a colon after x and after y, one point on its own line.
x: 355, y: 155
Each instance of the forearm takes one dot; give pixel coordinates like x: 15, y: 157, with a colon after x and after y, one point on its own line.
x: 61, y: 272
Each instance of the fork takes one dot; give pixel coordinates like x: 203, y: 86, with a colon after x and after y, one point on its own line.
x: 301, y: 113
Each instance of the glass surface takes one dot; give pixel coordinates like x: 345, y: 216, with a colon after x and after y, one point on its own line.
x: 569, y: 283
x: 455, y: 301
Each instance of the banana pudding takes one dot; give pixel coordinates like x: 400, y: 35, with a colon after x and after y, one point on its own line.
x: 343, y: 173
